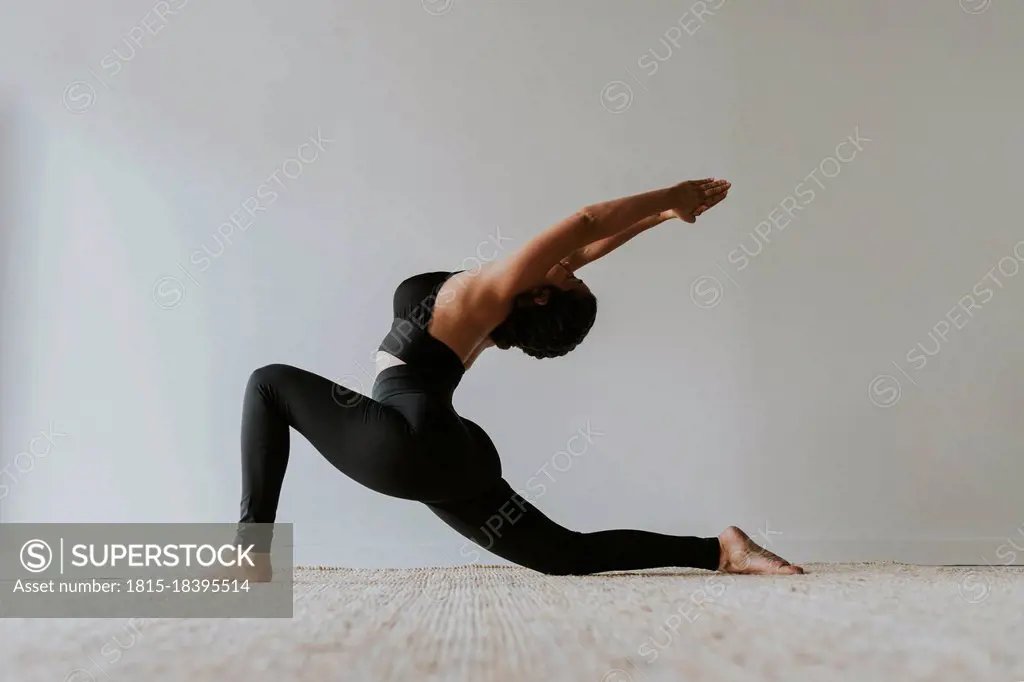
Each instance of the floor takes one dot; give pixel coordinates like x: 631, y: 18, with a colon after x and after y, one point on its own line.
x: 884, y: 621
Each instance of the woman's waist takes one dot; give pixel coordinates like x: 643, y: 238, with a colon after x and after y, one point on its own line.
x: 417, y: 347
x: 395, y: 376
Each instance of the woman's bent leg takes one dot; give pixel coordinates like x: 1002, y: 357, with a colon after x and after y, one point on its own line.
x: 359, y: 436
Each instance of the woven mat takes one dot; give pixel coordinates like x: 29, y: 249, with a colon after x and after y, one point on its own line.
x: 840, y: 622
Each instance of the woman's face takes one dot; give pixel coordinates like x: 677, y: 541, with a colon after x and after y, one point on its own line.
x: 563, y: 278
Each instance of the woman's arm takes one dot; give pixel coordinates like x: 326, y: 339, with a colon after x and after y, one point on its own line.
x: 528, y: 267
x: 591, y: 252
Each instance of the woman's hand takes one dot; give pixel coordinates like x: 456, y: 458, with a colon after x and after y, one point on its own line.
x: 673, y: 215
x: 696, y: 197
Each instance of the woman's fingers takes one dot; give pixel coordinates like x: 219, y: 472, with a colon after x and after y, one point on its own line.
x: 716, y: 187
x: 710, y: 202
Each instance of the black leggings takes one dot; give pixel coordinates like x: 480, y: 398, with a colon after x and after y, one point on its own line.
x: 407, y: 441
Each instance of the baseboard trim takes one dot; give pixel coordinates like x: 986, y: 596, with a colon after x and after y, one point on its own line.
x: 985, y: 551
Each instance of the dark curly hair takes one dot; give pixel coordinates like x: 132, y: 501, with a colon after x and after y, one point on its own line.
x: 550, y: 330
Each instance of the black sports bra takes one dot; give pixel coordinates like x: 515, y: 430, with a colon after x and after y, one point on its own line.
x: 408, y: 339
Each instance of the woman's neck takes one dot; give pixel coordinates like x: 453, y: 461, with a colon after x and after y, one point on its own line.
x: 481, y: 347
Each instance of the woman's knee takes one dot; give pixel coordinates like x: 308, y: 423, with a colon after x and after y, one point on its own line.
x: 554, y: 569
x: 268, y: 375
x: 568, y: 557
x: 566, y: 565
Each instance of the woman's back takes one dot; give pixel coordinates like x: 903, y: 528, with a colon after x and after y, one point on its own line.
x: 409, y: 339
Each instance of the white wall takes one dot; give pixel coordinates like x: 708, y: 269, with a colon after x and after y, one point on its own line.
x: 452, y: 121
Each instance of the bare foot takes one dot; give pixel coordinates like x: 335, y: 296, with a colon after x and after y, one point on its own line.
x: 260, y: 572
x: 697, y: 196
x: 742, y: 555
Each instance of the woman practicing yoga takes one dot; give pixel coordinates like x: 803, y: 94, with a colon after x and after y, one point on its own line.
x: 407, y: 441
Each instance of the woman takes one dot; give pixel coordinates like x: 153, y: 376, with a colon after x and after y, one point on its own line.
x: 407, y: 441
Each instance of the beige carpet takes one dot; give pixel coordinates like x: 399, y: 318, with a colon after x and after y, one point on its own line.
x: 863, y: 622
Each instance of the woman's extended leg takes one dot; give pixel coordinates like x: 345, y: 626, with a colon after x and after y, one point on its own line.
x: 503, y: 522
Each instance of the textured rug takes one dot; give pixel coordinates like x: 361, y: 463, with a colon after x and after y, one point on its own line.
x: 839, y: 622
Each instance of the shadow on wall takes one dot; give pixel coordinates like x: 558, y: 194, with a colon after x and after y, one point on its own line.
x: 16, y: 168
x: 8, y: 210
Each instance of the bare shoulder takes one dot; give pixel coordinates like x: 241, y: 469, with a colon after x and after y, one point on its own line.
x: 473, y: 295
x: 467, y: 309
